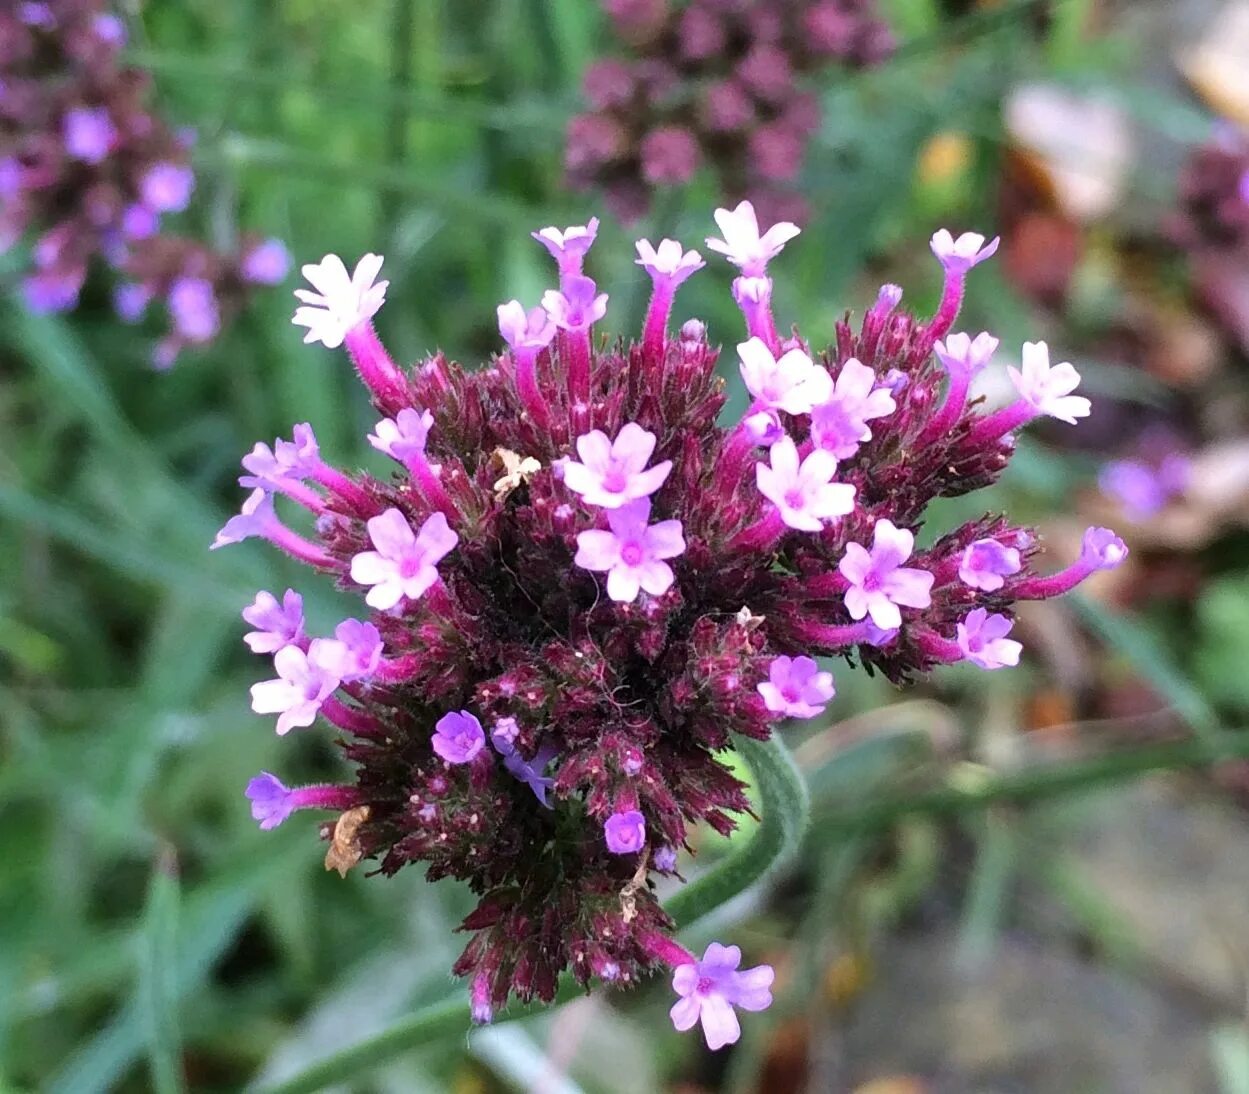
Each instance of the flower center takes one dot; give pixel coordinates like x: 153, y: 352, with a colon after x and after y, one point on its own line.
x: 615, y: 480
x: 705, y: 985
x: 409, y: 566
x: 631, y: 553
x: 871, y: 582
x: 790, y: 692
x: 794, y: 499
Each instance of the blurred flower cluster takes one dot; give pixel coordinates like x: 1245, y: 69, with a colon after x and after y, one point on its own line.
x: 715, y: 82
x: 88, y: 172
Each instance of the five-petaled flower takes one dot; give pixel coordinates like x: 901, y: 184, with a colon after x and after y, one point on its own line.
x: 794, y: 384
x: 986, y: 564
x: 982, y: 638
x: 743, y: 245
x: 625, y: 832
x: 1047, y: 389
x: 342, y: 301
x: 403, y: 564
x: 796, y: 688
x: 305, y: 681
x: 961, y: 254
x: 277, y: 625
x: 711, y: 988
x: 521, y: 329
x: 839, y: 422
x: 668, y: 262
x: 614, y: 473
x: 577, y: 306
x: 568, y: 247
x: 964, y: 355
x: 804, y: 494
x: 458, y: 737
x: 632, y: 551
x: 879, y: 583
x: 403, y: 437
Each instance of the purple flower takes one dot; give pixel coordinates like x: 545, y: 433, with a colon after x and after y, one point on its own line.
x: 577, y: 306
x: 987, y: 563
x: 139, y: 222
x: 614, y: 473
x: 130, y: 301
x: 530, y: 772
x: 531, y: 330
x: 963, y: 355
x: 982, y: 638
x: 960, y: 255
x: 305, y: 681
x: 667, y: 263
x: 1144, y: 489
x: 109, y: 29
x: 763, y: 427
x: 271, y: 800
x: 664, y: 859
x: 342, y: 301
x: 403, y: 437
x: 286, y: 462
x: 277, y: 625
x: 256, y: 519
x: 1102, y: 550
x: 1048, y: 389
x: 88, y: 133
x: 403, y: 564
x: 193, y: 305
x: 670, y: 155
x: 879, y: 583
x: 52, y: 292
x: 569, y: 247
x: 743, y: 245
x: 625, y: 833
x: 632, y: 552
x: 36, y: 15
x: 458, y: 737
x: 794, y: 384
x: 503, y: 736
x: 804, y: 494
x: 167, y: 187
x: 796, y: 688
x: 267, y: 263
x: 361, y: 649
x: 839, y: 424
x: 710, y: 989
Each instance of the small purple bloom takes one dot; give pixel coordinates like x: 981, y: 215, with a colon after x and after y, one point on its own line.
x: 960, y: 255
x: 668, y: 263
x: 625, y: 833
x: 1048, y: 389
x: 960, y: 353
x: 987, y: 563
x: 458, y: 737
x: 139, y: 222
x: 632, y: 552
x: 794, y: 384
x: 51, y: 292
x: 532, y: 330
x: 1102, y: 549
x: 710, y: 989
x: 763, y: 427
x: 361, y: 649
x: 664, y: 859
x: 267, y: 263
x: 36, y: 15
x: 614, y: 473
x: 305, y: 681
x: 166, y: 187
x: 404, y: 563
x: 1144, y: 489
x: 109, y: 29
x: 193, y: 305
x: 403, y: 437
x: 530, y: 772
x: 285, y: 463
x: 503, y: 736
x: 839, y: 425
x: 669, y: 155
x: 577, y: 306
x: 743, y: 245
x: 569, y: 247
x: 277, y: 625
x: 879, y: 583
x: 796, y: 688
x: 271, y: 800
x: 130, y: 301
x: 257, y: 518
x: 982, y: 638
x: 804, y: 494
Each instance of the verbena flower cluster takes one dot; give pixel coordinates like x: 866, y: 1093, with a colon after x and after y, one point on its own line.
x: 88, y: 172
x: 583, y: 587
x: 714, y: 82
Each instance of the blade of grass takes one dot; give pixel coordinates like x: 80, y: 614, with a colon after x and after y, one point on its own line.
x: 158, y: 989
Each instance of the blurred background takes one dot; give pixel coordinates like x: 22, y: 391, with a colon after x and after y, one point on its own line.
x: 1032, y: 881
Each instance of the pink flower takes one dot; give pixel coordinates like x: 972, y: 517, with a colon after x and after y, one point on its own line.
x: 710, y: 989
x: 794, y: 384
x: 403, y: 437
x: 804, y: 494
x: 569, y: 247
x: 839, y: 424
x: 982, y: 638
x: 271, y: 800
x: 458, y: 737
x: 1048, y: 389
x: 668, y: 262
x: 613, y: 473
x: 286, y: 462
x: 305, y: 681
x: 959, y: 353
x: 361, y: 651
x: 257, y: 518
x: 520, y: 329
x: 987, y: 563
x: 742, y: 244
x: 403, y: 565
x: 1102, y: 550
x: 277, y: 625
x: 625, y: 833
x: 578, y: 306
x: 342, y: 301
x: 960, y: 255
x: 796, y: 688
x: 878, y: 581
x: 763, y: 427
x: 632, y: 552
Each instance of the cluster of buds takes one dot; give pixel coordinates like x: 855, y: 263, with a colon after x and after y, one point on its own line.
x: 715, y: 81
x: 87, y: 171
x: 584, y: 587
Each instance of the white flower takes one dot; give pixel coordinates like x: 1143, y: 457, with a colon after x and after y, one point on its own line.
x: 743, y: 245
x: 341, y: 302
x: 1048, y: 389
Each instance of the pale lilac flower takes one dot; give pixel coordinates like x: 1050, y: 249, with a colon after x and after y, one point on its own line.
x: 1102, y: 549
x: 193, y: 305
x: 458, y: 737
x: 1142, y: 488
x: 763, y: 427
x: 710, y: 989
x: 879, y: 583
x: 503, y: 736
x: 960, y: 255
x: 743, y: 245
x: 404, y: 563
x: 632, y: 552
x: 962, y: 354
x: 613, y: 473
x: 361, y: 649
x: 287, y: 462
x: 530, y: 772
x: 88, y: 133
x: 52, y: 292
x: 804, y: 494
x: 532, y: 330
x: 839, y: 423
x: 625, y: 833
x: 109, y: 29
x: 139, y: 222
x: 668, y: 262
x: 403, y: 437
x: 167, y: 187
x: 796, y: 688
x: 569, y: 247
x: 664, y: 859
x: 272, y: 801
x: 130, y: 301
x: 987, y: 563
x: 256, y: 519
x: 794, y: 384
x: 267, y: 263
x: 982, y: 638
x: 36, y: 15
x: 277, y: 625
x: 1048, y: 389
x: 578, y: 306
x: 342, y: 301
x: 305, y: 681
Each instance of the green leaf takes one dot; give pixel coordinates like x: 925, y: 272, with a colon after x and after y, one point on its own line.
x: 158, y: 987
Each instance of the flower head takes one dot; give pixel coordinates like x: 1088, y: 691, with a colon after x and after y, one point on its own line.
x: 614, y: 473
x: 342, y: 301
x: 711, y: 988
x: 304, y: 682
x: 1048, y: 389
x: 625, y: 833
x: 569, y: 247
x: 960, y: 255
x: 982, y: 638
x: 986, y: 564
x: 794, y: 384
x: 960, y: 353
x: 522, y: 329
x: 879, y: 583
x: 577, y: 306
x: 403, y: 437
x: 839, y: 422
x: 277, y: 625
x: 804, y: 493
x: 631, y: 551
x: 669, y: 262
x: 796, y: 688
x: 744, y: 245
x: 458, y: 737
x: 403, y: 563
